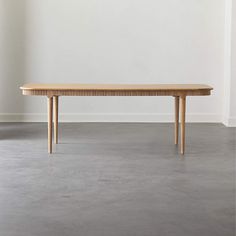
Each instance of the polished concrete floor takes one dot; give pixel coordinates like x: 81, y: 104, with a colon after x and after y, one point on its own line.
x: 109, y: 179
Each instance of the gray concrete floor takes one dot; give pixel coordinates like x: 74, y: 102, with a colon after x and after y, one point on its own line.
x: 117, y: 180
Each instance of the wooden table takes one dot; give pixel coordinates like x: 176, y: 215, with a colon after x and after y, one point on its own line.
x: 178, y: 91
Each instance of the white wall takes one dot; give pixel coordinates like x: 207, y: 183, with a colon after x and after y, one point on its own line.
x: 232, y: 115
x: 125, y: 41
x: 229, y: 99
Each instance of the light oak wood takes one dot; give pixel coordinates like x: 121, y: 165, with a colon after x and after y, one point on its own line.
x: 176, y: 119
x: 50, y: 116
x: 116, y: 89
x: 176, y: 90
x: 183, y: 111
x: 55, y: 115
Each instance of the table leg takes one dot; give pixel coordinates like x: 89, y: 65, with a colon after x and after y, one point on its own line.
x: 50, y: 114
x: 55, y: 116
x: 176, y: 119
x: 183, y: 111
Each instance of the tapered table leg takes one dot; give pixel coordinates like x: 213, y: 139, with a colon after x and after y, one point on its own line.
x: 176, y: 119
x: 55, y: 116
x: 50, y: 110
x: 183, y: 111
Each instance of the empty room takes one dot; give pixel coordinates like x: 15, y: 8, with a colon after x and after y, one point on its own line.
x: 117, y: 118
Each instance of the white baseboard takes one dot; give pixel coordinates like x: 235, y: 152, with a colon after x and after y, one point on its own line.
x: 108, y: 117
x: 229, y: 122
